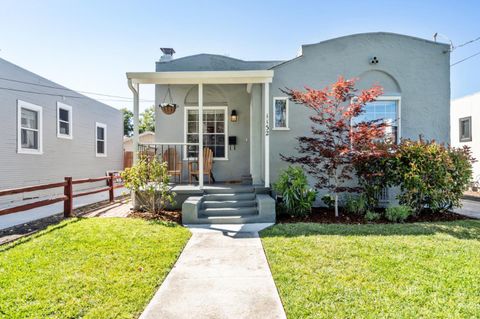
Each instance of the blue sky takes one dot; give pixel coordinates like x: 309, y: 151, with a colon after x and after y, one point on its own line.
x: 89, y: 45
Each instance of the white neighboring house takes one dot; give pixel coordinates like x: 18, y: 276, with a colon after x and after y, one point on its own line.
x: 464, y: 121
x: 144, y: 138
x: 49, y: 132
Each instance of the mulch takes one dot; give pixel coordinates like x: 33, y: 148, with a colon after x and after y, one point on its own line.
x: 327, y: 216
x: 174, y: 216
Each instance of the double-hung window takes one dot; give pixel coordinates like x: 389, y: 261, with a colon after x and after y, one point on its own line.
x: 101, y: 139
x: 29, y: 128
x: 388, y: 109
x: 64, y: 121
x: 214, y: 131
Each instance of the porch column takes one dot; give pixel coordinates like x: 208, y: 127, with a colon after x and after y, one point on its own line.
x: 135, y: 88
x: 266, y: 97
x: 200, y: 135
x: 256, y: 134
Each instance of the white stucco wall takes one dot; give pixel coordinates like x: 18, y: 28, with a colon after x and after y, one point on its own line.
x: 465, y: 107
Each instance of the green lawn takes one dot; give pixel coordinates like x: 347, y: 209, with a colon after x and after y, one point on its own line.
x: 88, y: 268
x: 377, y: 271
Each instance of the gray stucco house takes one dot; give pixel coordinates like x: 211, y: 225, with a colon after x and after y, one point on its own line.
x: 49, y: 132
x: 414, y: 73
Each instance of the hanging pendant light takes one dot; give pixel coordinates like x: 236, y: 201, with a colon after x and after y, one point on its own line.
x: 168, y: 107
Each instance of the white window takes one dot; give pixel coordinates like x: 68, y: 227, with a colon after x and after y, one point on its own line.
x: 29, y: 137
x: 101, y: 139
x: 465, y: 125
x: 388, y: 109
x: 280, y: 111
x: 215, y: 131
x: 64, y: 121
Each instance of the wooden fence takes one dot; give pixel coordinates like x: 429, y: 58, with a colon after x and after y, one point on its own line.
x: 127, y: 159
x: 66, y: 198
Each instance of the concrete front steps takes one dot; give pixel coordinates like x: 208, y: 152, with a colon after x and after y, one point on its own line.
x: 229, y: 205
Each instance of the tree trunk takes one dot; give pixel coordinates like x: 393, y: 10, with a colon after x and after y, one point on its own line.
x: 336, y: 194
x: 153, y: 204
x: 336, y: 205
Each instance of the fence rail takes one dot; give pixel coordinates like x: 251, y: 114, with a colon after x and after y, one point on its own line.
x: 68, y: 194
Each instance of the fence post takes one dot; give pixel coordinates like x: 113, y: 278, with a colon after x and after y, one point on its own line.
x: 111, y: 195
x: 68, y: 203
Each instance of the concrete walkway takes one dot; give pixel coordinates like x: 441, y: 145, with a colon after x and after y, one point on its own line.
x: 470, y: 208
x: 220, y: 274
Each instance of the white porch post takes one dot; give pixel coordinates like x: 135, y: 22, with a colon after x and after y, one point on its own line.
x: 266, y: 93
x: 135, y: 88
x: 200, y: 135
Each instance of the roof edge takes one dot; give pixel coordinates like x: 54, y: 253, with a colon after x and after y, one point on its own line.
x: 378, y: 33
x: 221, y: 56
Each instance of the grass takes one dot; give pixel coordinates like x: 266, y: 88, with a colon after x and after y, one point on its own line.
x: 87, y: 268
x: 429, y: 270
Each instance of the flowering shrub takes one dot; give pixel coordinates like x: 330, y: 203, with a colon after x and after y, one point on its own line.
x: 149, y: 180
x: 430, y: 175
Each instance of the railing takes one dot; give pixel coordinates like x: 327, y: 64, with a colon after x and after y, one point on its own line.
x: 179, y: 157
x: 68, y: 194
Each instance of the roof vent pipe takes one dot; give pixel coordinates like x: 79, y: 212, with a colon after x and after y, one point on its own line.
x: 167, y: 54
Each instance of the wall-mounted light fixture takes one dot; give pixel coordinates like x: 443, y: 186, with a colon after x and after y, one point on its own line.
x: 234, y: 116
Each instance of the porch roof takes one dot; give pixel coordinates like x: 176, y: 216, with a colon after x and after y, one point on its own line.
x: 204, y: 77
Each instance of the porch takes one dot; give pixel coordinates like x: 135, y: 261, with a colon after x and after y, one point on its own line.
x: 194, y: 109
x: 203, y: 156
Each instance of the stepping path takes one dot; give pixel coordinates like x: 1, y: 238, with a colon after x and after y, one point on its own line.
x: 221, y: 273
x: 118, y: 209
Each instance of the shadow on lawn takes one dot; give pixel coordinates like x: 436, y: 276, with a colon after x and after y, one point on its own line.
x: 468, y: 229
x: 40, y: 233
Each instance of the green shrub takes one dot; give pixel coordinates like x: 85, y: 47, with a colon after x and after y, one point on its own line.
x: 149, y: 179
x: 376, y: 171
x: 328, y: 200
x: 398, y: 214
x: 372, y: 216
x: 429, y: 175
x: 293, y: 187
x: 356, y: 204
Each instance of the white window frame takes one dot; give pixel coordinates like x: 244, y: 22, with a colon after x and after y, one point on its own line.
x: 185, y: 129
x: 104, y: 126
x: 62, y: 106
x: 36, y: 108
x: 398, y: 102
x: 287, y: 127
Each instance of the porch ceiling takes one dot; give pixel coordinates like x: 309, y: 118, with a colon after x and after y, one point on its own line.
x: 204, y: 77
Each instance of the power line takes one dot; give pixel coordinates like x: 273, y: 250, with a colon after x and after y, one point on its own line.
x: 66, y: 89
x: 59, y: 95
x: 467, y: 58
x: 464, y: 44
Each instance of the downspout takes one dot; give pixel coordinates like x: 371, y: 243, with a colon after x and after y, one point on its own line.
x: 135, y: 90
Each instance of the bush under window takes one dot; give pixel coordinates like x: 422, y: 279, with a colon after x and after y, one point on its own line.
x: 296, y: 195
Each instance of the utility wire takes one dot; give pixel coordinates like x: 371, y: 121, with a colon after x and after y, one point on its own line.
x: 66, y: 89
x: 60, y: 95
x: 467, y: 58
x: 464, y: 44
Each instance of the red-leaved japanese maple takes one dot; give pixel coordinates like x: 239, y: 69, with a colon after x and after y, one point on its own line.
x: 337, y: 138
